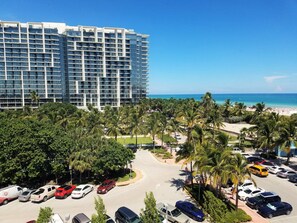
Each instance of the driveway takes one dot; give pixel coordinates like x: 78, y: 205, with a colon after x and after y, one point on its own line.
x: 164, y: 180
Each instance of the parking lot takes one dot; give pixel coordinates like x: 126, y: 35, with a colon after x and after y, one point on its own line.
x: 163, y: 180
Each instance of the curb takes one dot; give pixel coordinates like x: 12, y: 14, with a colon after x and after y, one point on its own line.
x: 139, y: 176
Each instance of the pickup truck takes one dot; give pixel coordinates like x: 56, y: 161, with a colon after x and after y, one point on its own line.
x: 172, y: 213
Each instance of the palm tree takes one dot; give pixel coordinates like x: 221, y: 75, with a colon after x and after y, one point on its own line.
x: 238, y: 172
x: 79, y: 161
x: 287, y: 138
x: 215, y: 119
x: 267, y: 134
x: 227, y: 108
x: 239, y: 109
x: 152, y: 125
x: 136, y: 122
x: 112, y: 123
x: 34, y: 97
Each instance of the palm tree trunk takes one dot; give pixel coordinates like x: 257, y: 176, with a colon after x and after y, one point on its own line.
x: 153, y: 141
x: 80, y: 177
x: 191, y: 172
x: 236, y: 197
x: 136, y: 140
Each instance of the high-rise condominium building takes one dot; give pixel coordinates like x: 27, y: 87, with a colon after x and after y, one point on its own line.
x: 77, y: 64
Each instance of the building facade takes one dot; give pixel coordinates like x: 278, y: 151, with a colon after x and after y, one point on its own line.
x: 77, y: 64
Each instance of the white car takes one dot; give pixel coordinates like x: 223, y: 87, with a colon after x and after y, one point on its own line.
x: 250, y: 192
x: 245, y: 185
x: 275, y: 169
x: 285, y: 173
x: 82, y: 190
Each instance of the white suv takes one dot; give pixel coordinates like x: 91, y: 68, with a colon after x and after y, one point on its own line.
x: 249, y: 192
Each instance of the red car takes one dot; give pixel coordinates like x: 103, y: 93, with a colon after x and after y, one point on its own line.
x: 64, y: 191
x: 106, y: 186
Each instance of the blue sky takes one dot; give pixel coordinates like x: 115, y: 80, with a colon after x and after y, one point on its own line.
x: 221, y: 46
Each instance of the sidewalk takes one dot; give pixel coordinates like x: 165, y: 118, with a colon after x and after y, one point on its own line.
x: 256, y: 218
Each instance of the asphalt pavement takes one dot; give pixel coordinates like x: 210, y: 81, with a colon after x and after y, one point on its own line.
x: 164, y: 180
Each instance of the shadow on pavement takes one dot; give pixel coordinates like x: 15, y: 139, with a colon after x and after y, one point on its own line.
x: 178, y: 183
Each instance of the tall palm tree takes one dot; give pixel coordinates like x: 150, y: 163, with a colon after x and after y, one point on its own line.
x: 152, y: 125
x: 215, y: 119
x: 227, y: 108
x: 238, y: 171
x: 287, y: 138
x: 239, y: 108
x: 113, y: 123
x: 267, y: 134
x: 136, y: 126
x: 79, y: 161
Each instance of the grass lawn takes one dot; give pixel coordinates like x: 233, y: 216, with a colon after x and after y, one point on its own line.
x: 140, y: 140
x: 127, y: 177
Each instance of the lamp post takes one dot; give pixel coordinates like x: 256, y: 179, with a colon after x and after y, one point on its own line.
x: 70, y: 170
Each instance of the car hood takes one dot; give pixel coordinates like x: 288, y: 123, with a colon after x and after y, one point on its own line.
x: 182, y: 218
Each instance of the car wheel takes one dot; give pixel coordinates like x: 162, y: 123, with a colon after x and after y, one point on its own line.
x: 83, y: 195
x: 45, y: 199
x: 270, y: 216
x: 5, y: 202
x: 288, y: 212
x: 64, y: 197
x: 117, y: 221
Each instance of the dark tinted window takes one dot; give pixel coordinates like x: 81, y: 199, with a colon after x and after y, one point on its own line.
x: 40, y: 191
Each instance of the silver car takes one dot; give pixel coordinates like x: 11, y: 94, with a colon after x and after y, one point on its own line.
x: 285, y: 173
x: 26, y: 195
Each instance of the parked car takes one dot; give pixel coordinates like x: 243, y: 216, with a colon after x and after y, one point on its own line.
x: 82, y: 190
x: 250, y: 192
x: 64, y: 191
x: 262, y: 199
x: 265, y: 163
x: 172, y: 213
x: 81, y: 218
x: 245, y: 185
x: 26, y: 195
x: 56, y: 218
x: 109, y: 219
x: 293, y: 178
x: 106, y: 186
x: 125, y: 215
x: 275, y: 169
x: 43, y: 193
x: 285, y: 173
x: 258, y: 170
x: 190, y: 210
x: 269, y: 155
x: 275, y: 209
x: 254, y: 159
x: 9, y: 193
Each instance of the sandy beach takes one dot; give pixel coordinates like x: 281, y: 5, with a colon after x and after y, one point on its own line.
x: 280, y: 110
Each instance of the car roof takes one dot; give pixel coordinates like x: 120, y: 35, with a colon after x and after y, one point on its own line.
x: 82, y: 217
x: 126, y: 211
x: 82, y: 185
x: 268, y: 194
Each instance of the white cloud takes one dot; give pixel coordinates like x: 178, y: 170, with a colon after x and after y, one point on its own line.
x: 270, y: 79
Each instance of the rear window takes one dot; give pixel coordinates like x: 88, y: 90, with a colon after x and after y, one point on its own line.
x: 77, y: 189
x: 264, y: 170
x: 59, y: 190
x: 40, y: 191
x: 25, y: 193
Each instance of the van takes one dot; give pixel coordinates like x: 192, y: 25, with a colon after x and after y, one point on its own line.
x: 258, y: 170
x: 9, y: 193
x: 125, y: 215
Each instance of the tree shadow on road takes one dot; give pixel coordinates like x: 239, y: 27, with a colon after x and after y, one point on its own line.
x: 183, y: 173
x: 178, y: 183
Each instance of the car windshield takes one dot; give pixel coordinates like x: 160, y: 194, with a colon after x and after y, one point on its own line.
x: 135, y: 219
x: 176, y: 212
x: 25, y: 193
x: 104, y: 183
x: 40, y: 191
x: 271, y: 207
x: 247, y: 191
x: 264, y: 170
x: 77, y: 189
x: 193, y: 208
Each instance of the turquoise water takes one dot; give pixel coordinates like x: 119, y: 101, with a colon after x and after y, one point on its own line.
x: 270, y: 100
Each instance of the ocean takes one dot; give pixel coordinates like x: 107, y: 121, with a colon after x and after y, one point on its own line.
x: 270, y: 100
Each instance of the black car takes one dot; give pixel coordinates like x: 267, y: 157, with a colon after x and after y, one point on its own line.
x: 293, y: 178
x: 275, y: 209
x: 254, y: 159
x: 262, y: 199
x: 268, y: 155
x: 125, y: 215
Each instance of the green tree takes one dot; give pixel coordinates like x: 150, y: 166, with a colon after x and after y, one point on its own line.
x: 150, y: 213
x: 152, y: 125
x: 100, y: 216
x: 136, y: 126
x: 44, y: 215
x: 34, y: 97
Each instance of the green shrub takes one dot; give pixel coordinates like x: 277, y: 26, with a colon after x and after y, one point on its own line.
x: 167, y: 155
x: 159, y: 151
x: 237, y: 216
x: 215, y: 207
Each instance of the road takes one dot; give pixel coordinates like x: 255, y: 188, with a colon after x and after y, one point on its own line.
x: 286, y: 190
x: 163, y: 180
